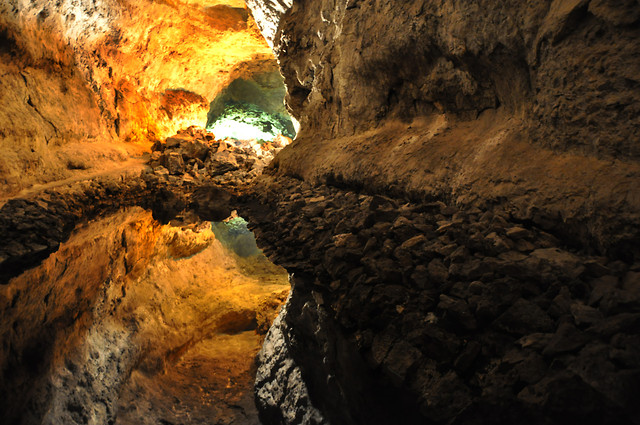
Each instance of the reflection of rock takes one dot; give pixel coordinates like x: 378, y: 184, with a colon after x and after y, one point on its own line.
x: 281, y: 393
x: 130, y: 326
x: 185, y: 243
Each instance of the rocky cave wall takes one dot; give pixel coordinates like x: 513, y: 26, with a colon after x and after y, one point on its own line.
x: 111, y: 71
x: 460, y: 208
x: 462, y: 171
x: 534, y: 107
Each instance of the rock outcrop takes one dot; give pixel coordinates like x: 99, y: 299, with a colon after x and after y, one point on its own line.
x: 491, y: 103
x: 421, y: 312
x: 108, y: 72
x: 462, y: 197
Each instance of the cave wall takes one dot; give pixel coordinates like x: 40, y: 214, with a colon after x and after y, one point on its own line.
x: 533, y: 107
x: 97, y: 333
x: 111, y: 71
x: 432, y: 132
x: 568, y: 69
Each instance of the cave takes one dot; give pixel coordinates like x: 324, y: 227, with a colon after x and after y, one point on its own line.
x: 320, y: 212
x: 251, y: 108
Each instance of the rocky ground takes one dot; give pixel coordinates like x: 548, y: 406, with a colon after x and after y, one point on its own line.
x: 414, y: 312
x: 191, y: 169
x: 402, y: 308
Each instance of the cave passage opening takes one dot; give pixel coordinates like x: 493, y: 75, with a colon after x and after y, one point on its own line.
x: 251, y: 109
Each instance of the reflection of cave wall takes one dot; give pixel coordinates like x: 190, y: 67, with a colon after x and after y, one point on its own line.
x: 266, y: 90
x: 133, y: 322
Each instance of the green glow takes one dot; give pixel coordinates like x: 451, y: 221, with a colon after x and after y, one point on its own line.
x: 244, y: 121
x: 236, y: 236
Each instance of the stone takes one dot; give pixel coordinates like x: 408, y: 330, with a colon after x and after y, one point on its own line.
x: 615, y: 324
x: 476, y: 287
x: 559, y: 261
x: 173, y: 162
x: 566, y: 339
x: 470, y: 352
x: 221, y: 162
x: 161, y: 171
x: 584, y: 314
x: 596, y: 267
x: 175, y: 142
x: 602, y: 286
x: 382, y: 343
x: 400, y: 360
x: 437, y: 271
x: 537, y: 341
x: 315, y: 209
x: 497, y: 243
x: 414, y: 242
x: 524, y: 317
x: 516, y: 233
x: 458, y: 311
x: 631, y: 282
x: 561, y: 303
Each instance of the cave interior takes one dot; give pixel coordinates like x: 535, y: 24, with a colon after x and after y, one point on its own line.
x: 283, y: 212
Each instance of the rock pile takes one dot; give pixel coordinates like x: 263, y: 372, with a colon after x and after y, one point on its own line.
x: 468, y: 316
x: 193, y: 155
x: 186, y: 171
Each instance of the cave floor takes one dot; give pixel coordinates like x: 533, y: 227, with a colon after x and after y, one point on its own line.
x: 131, y: 166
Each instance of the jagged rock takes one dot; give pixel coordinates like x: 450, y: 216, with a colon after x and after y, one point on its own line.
x: 517, y: 233
x: 584, y: 314
x: 281, y: 393
x: 400, y: 360
x: 524, y: 317
x: 566, y: 339
x: 457, y: 310
x: 559, y: 261
x: 221, y: 162
x: 173, y: 162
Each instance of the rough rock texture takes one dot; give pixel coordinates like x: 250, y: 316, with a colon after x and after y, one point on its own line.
x: 501, y: 304
x: 469, y: 209
x: 268, y: 14
x: 133, y: 322
x: 111, y: 70
x: 420, y: 312
x: 190, y: 170
x: 460, y: 210
x: 534, y: 107
x: 282, y: 395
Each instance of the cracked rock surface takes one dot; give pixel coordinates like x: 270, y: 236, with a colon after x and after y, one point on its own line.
x: 444, y: 315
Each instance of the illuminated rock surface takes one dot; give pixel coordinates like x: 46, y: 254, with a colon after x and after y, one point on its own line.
x: 112, y: 71
x: 459, y: 212
x: 154, y: 323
